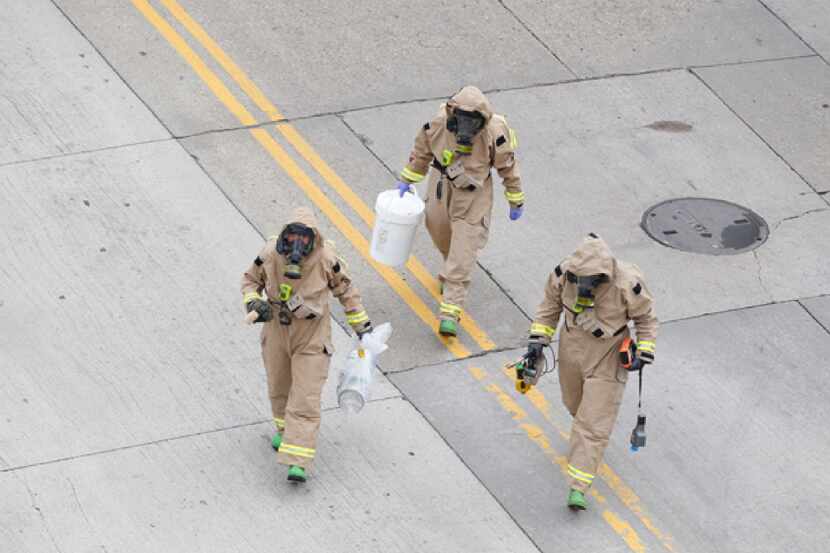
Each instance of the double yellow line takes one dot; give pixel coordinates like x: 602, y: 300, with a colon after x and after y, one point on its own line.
x: 333, y: 213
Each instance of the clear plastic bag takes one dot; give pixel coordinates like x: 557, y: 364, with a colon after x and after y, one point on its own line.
x: 355, y: 376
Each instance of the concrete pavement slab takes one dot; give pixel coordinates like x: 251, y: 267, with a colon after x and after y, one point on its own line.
x: 312, y: 58
x: 820, y: 309
x: 735, y: 437
x: 383, y: 481
x: 809, y: 18
x: 121, y: 320
x: 57, y: 95
x: 595, y: 155
x: 736, y: 404
x: 600, y: 37
x: 788, y: 103
x: 498, y: 434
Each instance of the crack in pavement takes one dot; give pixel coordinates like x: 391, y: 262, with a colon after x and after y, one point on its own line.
x: 478, y: 355
x: 84, y: 152
x: 760, y: 277
x: 799, y: 216
x: 174, y: 438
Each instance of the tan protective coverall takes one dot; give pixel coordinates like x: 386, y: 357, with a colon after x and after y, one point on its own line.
x: 458, y: 211
x: 296, y: 356
x: 590, y: 374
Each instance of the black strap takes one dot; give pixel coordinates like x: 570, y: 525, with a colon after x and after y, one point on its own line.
x: 640, y: 392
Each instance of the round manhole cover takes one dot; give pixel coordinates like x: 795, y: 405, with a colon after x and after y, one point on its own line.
x: 704, y: 225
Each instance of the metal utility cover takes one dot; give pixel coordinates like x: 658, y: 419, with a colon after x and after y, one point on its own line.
x: 705, y: 225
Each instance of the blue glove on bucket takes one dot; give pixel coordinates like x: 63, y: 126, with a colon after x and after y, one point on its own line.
x: 404, y: 187
x: 516, y: 211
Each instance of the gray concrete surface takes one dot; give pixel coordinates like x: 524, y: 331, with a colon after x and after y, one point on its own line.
x: 745, y: 472
x: 57, y: 95
x: 809, y: 19
x: 144, y: 426
x: 599, y: 37
x: 788, y: 104
x: 820, y: 309
x: 385, y: 483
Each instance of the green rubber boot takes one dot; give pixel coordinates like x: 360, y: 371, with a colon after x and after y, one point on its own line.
x: 576, y: 500
x: 276, y: 441
x: 448, y: 328
x: 296, y: 474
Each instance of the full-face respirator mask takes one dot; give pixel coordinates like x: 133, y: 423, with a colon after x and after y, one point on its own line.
x: 585, y: 289
x: 296, y: 241
x: 465, y: 125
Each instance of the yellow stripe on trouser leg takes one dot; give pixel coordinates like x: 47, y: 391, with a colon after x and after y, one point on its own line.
x: 579, y: 475
x: 450, y: 309
x: 279, y: 423
x: 410, y: 175
x: 299, y: 451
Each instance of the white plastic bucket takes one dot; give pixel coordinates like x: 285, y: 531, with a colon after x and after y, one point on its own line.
x: 397, y: 220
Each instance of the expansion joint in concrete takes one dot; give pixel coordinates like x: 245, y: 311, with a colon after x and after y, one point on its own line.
x: 478, y: 355
x: 537, y: 38
x: 793, y: 31
x: 66, y: 155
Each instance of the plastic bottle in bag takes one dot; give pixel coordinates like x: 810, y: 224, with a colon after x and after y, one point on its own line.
x: 355, y: 377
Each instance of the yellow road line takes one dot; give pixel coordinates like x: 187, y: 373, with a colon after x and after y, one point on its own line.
x: 310, y: 155
x: 295, y: 172
x: 328, y: 208
x: 538, y: 437
x: 623, y: 492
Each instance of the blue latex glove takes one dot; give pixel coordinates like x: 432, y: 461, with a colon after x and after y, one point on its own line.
x: 404, y: 187
x: 516, y: 211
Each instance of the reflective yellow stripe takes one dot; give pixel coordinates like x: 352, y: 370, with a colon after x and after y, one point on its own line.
x: 357, y: 318
x: 514, y: 140
x: 579, y: 475
x: 538, y: 328
x: 446, y: 157
x: 297, y: 450
x: 250, y: 296
x: 464, y: 149
x: 279, y: 423
x: 646, y: 345
x: 450, y: 309
x: 410, y: 175
x: 514, y: 197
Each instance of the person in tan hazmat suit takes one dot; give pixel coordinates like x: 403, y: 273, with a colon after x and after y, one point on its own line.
x: 461, y: 144
x: 599, y: 296
x: 299, y: 272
